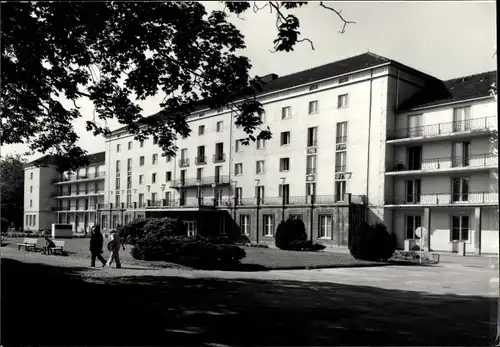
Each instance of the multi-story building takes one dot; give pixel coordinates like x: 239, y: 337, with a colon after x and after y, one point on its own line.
x: 364, y: 131
x: 73, y: 198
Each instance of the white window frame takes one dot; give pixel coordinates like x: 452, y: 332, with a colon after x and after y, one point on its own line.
x: 310, y: 188
x: 118, y: 148
x: 238, y: 146
x: 260, y: 167
x: 414, y: 219
x: 141, y: 179
x: 313, y: 107
x: 463, y: 196
x: 141, y: 160
x: 341, y: 132
x: 153, y: 177
x: 261, y: 144
x: 129, y: 145
x: 285, y: 138
x: 286, y: 112
x: 460, y: 228
x: 268, y: 221
x: 340, y: 190
x: 245, y: 224
x: 283, y: 167
x: 314, y: 138
x: 219, y: 126
x: 462, y: 117
x: 325, y: 226
x: 238, y: 169
x: 201, y: 130
x: 343, y: 101
x: 341, y: 161
x: 155, y: 159
x: 311, y: 164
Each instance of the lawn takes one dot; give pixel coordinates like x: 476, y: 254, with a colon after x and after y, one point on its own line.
x: 161, y: 310
x: 256, y: 259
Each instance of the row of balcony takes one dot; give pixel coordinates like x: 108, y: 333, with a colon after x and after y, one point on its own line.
x: 75, y: 208
x: 444, y: 198
x: 76, y: 194
x: 75, y: 178
x: 476, y: 124
x: 200, y: 181
x: 227, y: 202
x: 202, y: 160
x: 443, y: 163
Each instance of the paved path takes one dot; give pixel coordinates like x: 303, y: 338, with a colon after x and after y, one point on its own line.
x: 445, y: 278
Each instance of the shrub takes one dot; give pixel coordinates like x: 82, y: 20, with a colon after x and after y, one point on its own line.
x: 372, y: 242
x: 306, y: 246
x: 137, y: 229
x: 291, y: 230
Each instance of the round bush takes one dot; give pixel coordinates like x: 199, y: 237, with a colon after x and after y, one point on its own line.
x: 291, y: 230
x: 372, y: 242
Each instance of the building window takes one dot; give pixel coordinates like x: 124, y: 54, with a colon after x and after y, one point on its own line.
x: 220, y: 126
x: 340, y: 191
x: 141, y: 161
x: 155, y: 140
x: 262, y: 117
x: 284, y: 164
x: 261, y: 144
x: 340, y: 161
x: 238, y: 169
x: 325, y: 227
x: 313, y: 87
x: 117, y: 166
x: 201, y: 130
x: 168, y: 158
x: 27, y: 219
x: 153, y: 198
x: 129, y: 199
x: 238, y: 145
x: 286, y: 112
x: 310, y: 188
x: 141, y: 179
x: 31, y: 189
x: 459, y: 228
x: 34, y: 220
x: 284, y: 192
x: 460, y: 154
x: 141, y: 143
x: 168, y: 176
x: 153, y: 178
x: 155, y: 159
x: 413, y: 189
x: 411, y: 224
x: 460, y: 186
x: 268, y: 225
x: 118, y: 148
x: 117, y: 200
x: 141, y: 199
x: 129, y: 164
x: 31, y: 203
x: 312, y: 137
x: 313, y: 107
x: 199, y: 174
x: 461, y: 118
x: 129, y: 145
x: 117, y: 183
x: 259, y: 193
x: 343, y: 79
x: 31, y: 175
x: 260, y: 167
x: 341, y: 132
x: 129, y: 182
x: 285, y: 138
x: 238, y: 194
x: 311, y: 165
x: 245, y: 224
x: 342, y: 101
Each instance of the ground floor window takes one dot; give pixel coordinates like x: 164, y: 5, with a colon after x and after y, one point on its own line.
x: 126, y: 218
x: 411, y: 224
x: 245, y: 224
x: 268, y: 225
x: 104, y: 222
x: 191, y: 228
x: 459, y: 228
x: 325, y: 226
x: 27, y: 219
x: 115, y: 221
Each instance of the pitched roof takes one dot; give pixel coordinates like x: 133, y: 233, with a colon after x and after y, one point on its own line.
x: 336, y: 68
x: 454, y: 90
x: 48, y: 160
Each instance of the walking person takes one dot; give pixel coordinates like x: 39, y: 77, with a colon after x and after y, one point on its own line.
x: 96, y: 241
x: 114, y: 248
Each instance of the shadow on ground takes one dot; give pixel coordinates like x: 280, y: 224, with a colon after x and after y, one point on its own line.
x: 153, y: 310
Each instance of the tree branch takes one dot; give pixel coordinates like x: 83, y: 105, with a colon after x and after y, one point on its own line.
x: 339, y: 15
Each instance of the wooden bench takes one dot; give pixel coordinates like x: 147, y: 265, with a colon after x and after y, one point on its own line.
x: 27, y: 243
x: 58, y: 246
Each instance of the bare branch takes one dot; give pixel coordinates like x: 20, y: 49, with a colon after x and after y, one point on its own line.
x: 339, y: 15
x: 256, y: 8
x: 308, y: 40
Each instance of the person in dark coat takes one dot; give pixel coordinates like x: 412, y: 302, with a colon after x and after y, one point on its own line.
x: 96, y: 242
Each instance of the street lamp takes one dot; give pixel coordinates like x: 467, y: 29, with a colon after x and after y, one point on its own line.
x: 257, y: 181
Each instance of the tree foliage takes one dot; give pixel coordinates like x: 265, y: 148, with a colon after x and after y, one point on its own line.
x: 116, y: 53
x: 12, y: 188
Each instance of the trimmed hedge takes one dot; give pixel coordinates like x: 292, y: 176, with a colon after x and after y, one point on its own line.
x: 372, y: 242
x: 291, y: 236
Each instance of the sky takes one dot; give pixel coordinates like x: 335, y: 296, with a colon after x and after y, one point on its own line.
x: 445, y: 39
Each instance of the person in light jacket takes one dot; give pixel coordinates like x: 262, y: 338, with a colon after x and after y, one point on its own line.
x: 96, y: 242
x: 114, y: 247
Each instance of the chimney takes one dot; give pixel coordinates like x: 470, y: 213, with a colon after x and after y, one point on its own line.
x: 268, y: 78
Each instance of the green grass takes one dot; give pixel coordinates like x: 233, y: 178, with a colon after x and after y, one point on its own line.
x: 256, y: 259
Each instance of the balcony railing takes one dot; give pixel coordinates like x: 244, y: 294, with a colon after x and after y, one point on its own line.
x: 76, y: 194
x: 184, y: 162
x: 204, y: 181
x: 219, y: 158
x: 340, y: 168
x: 474, y: 160
x: 444, y: 198
x: 76, y: 178
x: 201, y: 160
x: 484, y: 123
